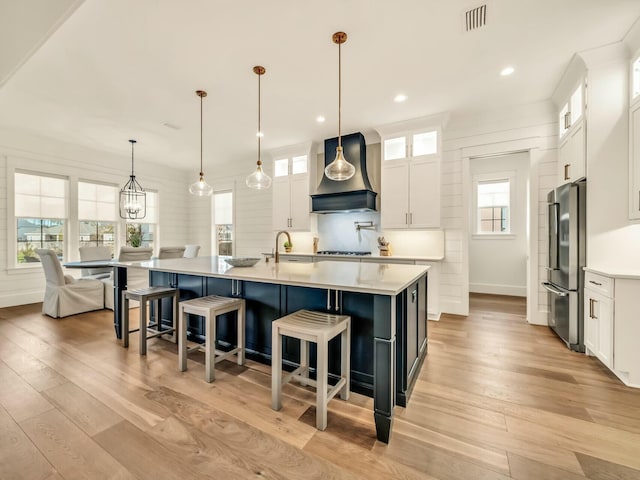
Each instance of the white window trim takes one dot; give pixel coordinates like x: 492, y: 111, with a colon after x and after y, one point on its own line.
x: 493, y: 177
x: 222, y: 188
x: 42, y: 165
x: 13, y: 167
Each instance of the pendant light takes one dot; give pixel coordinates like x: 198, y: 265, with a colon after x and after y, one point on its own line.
x: 133, y: 198
x: 201, y: 188
x: 258, y: 179
x: 339, y: 169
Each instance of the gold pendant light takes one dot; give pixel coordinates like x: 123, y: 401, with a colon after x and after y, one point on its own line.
x: 340, y: 169
x: 201, y: 188
x: 133, y: 198
x: 258, y: 179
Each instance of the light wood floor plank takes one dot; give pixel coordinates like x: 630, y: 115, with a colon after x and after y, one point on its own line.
x: 18, y: 397
x: 71, y: 451
x: 88, y: 413
x: 19, y: 457
x: 496, y: 398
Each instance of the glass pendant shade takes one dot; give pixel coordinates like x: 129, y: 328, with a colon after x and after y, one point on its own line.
x: 258, y: 179
x: 339, y: 170
x: 133, y: 198
x: 201, y: 188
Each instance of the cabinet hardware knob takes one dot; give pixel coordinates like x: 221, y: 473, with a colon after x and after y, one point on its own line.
x: 566, y: 171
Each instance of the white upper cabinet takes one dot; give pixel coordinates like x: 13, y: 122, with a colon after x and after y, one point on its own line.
x: 410, y: 176
x: 291, y: 179
x: 572, y: 156
x: 634, y: 141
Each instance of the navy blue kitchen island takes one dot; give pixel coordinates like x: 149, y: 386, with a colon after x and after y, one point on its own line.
x: 387, y: 304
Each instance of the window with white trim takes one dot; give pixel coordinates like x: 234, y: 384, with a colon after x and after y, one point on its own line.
x: 40, y: 213
x: 223, y: 222
x: 142, y: 233
x: 97, y: 215
x: 493, y: 202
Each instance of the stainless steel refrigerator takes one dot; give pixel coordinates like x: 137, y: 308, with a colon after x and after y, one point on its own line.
x: 566, y: 211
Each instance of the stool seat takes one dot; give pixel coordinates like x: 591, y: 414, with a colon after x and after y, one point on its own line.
x: 320, y: 328
x: 210, y: 308
x: 144, y: 295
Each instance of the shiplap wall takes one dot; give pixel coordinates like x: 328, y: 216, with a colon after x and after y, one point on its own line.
x: 20, y: 286
x: 252, y: 210
x: 535, y: 123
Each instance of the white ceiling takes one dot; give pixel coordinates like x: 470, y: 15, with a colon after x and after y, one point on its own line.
x: 120, y: 69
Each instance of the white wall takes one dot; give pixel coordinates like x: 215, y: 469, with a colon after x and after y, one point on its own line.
x: 531, y: 127
x: 252, y: 212
x: 22, y: 286
x: 498, y: 264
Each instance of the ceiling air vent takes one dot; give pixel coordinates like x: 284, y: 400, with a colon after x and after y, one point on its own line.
x: 475, y: 18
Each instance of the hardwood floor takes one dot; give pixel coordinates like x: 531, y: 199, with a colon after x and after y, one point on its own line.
x: 496, y: 398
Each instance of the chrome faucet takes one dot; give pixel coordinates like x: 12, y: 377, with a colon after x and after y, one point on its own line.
x: 277, y: 256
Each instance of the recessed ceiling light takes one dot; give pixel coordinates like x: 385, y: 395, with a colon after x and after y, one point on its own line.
x: 259, y: 134
x: 507, y: 71
x: 401, y: 97
x: 320, y: 119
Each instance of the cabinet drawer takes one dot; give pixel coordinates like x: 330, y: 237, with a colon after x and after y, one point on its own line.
x: 599, y: 284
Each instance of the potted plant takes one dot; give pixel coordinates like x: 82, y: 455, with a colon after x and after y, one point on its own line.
x: 288, y: 246
x: 135, y: 236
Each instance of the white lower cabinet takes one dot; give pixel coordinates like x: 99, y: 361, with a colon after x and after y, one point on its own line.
x: 599, y: 326
x: 612, y: 324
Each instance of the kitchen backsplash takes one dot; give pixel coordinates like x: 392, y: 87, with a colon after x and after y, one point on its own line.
x: 338, y: 232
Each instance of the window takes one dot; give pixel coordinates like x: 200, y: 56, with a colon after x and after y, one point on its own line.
x: 40, y: 211
x: 492, y: 200
x: 223, y: 222
x: 142, y: 233
x: 97, y: 206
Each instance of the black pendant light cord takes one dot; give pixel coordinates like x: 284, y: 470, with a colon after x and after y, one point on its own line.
x: 133, y: 142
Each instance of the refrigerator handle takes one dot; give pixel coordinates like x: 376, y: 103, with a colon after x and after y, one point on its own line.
x: 553, y: 236
x: 549, y: 287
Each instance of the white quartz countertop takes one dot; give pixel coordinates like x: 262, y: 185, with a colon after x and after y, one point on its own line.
x: 614, y: 272
x: 376, y: 256
x: 381, y: 279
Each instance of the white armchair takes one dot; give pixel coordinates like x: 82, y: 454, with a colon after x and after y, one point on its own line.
x: 191, y: 251
x: 64, y: 295
x: 95, y: 253
x: 136, y: 277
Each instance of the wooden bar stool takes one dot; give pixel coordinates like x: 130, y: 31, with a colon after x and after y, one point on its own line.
x: 209, y: 308
x: 319, y: 328
x: 144, y: 295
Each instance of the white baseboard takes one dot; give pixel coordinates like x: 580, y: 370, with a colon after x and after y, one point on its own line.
x: 435, y: 316
x: 22, y: 298
x: 493, y: 289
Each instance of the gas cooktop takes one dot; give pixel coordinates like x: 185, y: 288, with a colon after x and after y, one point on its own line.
x: 339, y: 252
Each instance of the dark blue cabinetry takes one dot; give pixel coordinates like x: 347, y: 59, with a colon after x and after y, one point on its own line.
x: 388, y: 333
